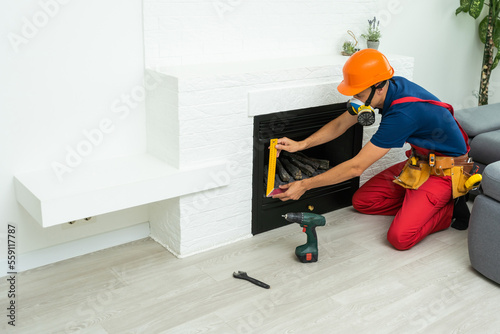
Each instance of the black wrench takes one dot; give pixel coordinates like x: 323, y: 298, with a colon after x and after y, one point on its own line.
x: 243, y: 275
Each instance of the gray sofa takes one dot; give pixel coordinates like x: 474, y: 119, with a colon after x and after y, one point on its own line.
x: 482, y: 124
x: 484, y: 225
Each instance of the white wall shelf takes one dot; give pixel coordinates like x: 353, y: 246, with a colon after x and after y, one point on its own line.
x: 105, y: 186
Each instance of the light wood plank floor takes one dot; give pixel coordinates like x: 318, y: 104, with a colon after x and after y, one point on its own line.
x: 359, y: 285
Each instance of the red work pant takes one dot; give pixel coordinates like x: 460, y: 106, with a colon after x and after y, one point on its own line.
x: 418, y: 213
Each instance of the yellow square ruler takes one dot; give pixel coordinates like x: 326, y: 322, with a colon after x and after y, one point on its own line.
x: 271, y: 171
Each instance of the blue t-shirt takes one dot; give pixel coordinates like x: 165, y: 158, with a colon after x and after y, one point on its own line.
x: 419, y: 123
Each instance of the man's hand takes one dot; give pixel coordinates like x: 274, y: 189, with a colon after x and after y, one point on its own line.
x: 288, y: 145
x: 345, y: 171
x: 294, y: 191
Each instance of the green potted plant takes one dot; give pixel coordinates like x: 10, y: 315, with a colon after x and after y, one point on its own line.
x: 349, y: 47
x: 489, y: 34
x: 373, y: 35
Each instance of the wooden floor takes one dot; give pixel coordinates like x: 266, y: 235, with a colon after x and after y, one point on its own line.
x: 359, y: 285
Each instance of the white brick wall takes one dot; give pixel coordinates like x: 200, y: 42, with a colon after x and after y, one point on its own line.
x: 200, y: 31
x: 211, y: 111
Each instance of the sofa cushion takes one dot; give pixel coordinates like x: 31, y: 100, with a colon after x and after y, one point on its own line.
x: 485, y: 147
x: 491, y: 181
x: 483, y: 236
x: 480, y: 119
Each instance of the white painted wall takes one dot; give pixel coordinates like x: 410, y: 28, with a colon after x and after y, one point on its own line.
x: 447, y: 51
x: 179, y: 32
x: 66, y: 66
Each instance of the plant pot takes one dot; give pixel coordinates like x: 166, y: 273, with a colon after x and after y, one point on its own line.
x: 373, y: 44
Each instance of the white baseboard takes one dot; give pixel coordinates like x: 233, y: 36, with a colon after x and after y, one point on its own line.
x: 195, y: 252
x: 79, y: 247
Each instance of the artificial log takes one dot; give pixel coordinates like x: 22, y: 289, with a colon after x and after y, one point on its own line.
x: 293, y: 170
x: 323, y: 164
x: 283, y: 175
x: 308, y: 170
x: 302, y: 158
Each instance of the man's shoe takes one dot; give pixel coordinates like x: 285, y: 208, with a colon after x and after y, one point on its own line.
x: 461, y: 213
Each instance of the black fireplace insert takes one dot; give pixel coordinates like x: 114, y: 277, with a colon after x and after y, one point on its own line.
x: 297, y: 125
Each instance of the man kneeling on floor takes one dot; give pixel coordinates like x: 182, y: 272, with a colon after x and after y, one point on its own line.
x: 419, y: 192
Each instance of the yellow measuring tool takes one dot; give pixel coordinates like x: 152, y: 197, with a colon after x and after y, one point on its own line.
x: 271, y: 171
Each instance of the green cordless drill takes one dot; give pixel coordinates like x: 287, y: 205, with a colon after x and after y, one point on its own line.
x: 307, y: 252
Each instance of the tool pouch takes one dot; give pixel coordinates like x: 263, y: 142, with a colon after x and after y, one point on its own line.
x: 458, y: 169
x: 413, y: 176
x: 460, y: 175
x: 442, y: 166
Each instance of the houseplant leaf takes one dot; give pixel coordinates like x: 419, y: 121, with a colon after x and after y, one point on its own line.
x: 483, y: 29
x: 464, y: 6
x: 476, y: 7
x: 496, y: 34
x: 495, y: 61
x: 465, y: 3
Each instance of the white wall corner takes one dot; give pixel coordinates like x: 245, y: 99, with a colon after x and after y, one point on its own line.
x: 162, y: 117
x: 164, y: 219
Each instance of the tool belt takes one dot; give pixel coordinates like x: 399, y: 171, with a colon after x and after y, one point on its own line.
x: 419, y: 168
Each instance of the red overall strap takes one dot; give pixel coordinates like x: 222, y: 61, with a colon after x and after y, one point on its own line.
x: 437, y: 103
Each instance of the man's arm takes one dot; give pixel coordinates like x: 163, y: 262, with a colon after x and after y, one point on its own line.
x: 340, y: 173
x: 328, y: 132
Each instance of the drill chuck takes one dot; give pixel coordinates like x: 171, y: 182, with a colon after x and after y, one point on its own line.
x: 294, y: 217
x: 305, y: 218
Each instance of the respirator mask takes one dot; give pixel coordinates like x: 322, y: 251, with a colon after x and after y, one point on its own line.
x: 366, y: 114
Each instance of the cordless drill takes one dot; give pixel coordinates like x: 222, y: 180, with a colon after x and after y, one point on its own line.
x: 307, y: 252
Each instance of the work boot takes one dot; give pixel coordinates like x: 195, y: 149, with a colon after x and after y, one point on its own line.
x: 461, y: 213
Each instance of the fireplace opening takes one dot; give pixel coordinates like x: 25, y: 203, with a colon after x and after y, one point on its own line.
x: 298, y: 125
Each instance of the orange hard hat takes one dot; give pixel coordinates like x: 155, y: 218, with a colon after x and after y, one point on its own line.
x: 364, y: 69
